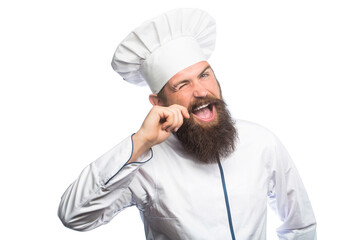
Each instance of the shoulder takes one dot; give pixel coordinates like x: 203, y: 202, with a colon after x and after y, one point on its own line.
x: 253, y: 133
x: 246, y: 127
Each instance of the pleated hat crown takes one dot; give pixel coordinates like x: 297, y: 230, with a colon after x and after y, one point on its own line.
x: 163, y: 46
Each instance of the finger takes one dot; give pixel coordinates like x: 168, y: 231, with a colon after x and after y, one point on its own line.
x: 175, y: 119
x: 185, y: 113
x: 170, y: 117
x: 180, y: 120
x: 183, y: 110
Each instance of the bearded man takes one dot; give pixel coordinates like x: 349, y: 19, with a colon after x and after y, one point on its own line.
x: 191, y: 170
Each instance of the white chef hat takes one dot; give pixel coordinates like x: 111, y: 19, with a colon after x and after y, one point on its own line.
x: 163, y: 46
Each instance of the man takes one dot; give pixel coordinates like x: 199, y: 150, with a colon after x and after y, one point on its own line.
x: 191, y: 170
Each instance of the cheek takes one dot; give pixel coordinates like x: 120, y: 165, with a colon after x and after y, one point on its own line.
x: 214, y: 89
x: 182, y: 99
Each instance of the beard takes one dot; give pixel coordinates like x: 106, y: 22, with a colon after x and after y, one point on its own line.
x: 212, y: 141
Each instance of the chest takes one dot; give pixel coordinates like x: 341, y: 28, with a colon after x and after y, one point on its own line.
x: 189, y: 195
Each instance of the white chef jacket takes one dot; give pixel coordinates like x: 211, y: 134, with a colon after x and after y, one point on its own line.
x: 181, y: 198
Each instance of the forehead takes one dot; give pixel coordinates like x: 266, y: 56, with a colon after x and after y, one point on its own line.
x: 189, y: 72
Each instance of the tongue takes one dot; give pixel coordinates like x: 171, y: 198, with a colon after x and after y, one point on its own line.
x: 204, y: 113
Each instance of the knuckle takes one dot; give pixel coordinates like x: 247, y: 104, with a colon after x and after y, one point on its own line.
x: 156, y: 109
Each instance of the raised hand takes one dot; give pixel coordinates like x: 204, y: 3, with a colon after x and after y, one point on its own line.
x: 157, y: 127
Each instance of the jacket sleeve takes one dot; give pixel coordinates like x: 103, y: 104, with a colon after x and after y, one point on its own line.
x: 102, y: 189
x: 288, y: 198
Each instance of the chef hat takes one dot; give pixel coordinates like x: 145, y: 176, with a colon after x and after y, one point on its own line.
x: 163, y: 46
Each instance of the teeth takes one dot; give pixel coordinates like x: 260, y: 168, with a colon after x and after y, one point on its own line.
x: 201, y: 107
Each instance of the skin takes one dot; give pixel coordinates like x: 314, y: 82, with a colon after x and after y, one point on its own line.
x: 196, y: 81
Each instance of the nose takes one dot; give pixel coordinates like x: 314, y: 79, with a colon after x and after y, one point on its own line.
x: 200, y: 91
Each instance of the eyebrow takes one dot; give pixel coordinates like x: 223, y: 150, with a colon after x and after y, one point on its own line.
x: 208, y: 66
x: 178, y: 83
x: 183, y: 81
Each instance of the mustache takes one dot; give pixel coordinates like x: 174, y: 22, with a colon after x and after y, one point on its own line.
x: 203, y: 101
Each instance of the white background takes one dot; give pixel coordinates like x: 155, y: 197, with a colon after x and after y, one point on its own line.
x: 290, y: 66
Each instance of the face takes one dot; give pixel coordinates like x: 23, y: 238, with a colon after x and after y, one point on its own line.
x: 209, y: 134
x: 189, y: 87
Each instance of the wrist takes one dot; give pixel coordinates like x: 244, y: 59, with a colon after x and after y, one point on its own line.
x: 140, y: 139
x: 140, y: 146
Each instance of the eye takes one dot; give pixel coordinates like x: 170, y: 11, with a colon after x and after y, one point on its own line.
x: 182, y: 85
x: 204, y: 75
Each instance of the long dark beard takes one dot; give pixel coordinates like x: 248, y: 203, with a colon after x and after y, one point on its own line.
x: 209, y: 142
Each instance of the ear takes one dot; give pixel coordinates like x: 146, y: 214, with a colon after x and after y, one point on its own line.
x: 155, y: 100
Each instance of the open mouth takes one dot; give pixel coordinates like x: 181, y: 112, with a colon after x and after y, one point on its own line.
x: 205, y: 113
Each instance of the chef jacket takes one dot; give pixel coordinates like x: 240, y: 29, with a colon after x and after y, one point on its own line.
x: 181, y: 198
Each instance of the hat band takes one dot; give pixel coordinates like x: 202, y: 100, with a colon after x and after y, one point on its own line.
x: 170, y: 59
